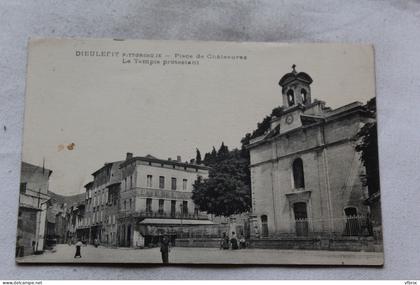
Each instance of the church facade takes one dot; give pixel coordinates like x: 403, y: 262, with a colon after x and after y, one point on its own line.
x: 305, y: 172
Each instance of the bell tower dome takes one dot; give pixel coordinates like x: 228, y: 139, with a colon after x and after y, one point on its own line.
x: 296, y: 88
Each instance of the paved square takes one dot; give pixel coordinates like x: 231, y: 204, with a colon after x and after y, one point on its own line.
x: 188, y: 255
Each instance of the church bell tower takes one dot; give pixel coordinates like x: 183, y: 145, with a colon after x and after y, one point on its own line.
x: 296, y: 88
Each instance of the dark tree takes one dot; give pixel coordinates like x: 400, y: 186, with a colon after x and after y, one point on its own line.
x: 207, y: 158
x: 223, y: 152
x: 198, y: 156
x: 227, y: 189
x: 263, y: 126
x: 368, y: 147
x: 213, y: 153
x: 210, y: 157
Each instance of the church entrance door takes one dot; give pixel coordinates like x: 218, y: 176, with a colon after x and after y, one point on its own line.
x: 301, y: 218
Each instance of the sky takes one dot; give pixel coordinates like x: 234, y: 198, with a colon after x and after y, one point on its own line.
x: 105, y: 107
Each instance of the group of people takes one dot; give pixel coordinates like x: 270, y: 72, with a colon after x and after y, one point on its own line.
x: 233, y: 242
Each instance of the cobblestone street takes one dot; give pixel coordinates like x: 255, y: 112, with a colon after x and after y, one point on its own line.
x: 184, y: 255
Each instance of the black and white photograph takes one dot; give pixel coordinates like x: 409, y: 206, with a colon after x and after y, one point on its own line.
x: 195, y: 152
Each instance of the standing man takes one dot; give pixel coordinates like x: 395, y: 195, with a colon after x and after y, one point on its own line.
x: 234, y: 241
x: 78, y: 249
x: 164, y: 249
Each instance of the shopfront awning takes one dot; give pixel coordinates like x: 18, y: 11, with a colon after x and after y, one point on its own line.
x: 149, y: 221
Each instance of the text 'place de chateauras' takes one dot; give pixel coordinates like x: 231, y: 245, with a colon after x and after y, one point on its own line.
x: 313, y: 195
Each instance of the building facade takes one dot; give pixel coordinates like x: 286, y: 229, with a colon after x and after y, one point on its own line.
x: 112, y: 211
x: 96, y: 222
x: 131, y: 203
x: 305, y: 171
x: 32, y: 217
x: 155, y: 198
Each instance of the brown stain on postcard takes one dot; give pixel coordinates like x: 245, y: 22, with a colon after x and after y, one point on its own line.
x: 62, y: 147
x: 71, y: 146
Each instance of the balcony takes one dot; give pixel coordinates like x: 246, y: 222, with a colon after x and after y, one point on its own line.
x: 160, y: 193
x: 157, y: 214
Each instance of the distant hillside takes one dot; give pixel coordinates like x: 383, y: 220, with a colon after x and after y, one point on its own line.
x: 69, y: 200
x: 58, y: 200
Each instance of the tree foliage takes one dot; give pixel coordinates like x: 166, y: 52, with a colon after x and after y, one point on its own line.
x: 262, y: 126
x: 198, y: 156
x: 227, y: 189
x: 368, y: 147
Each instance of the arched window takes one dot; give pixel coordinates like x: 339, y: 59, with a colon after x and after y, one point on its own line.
x: 350, y: 211
x: 298, y: 175
x: 303, y: 94
x: 264, y: 226
x: 290, y: 97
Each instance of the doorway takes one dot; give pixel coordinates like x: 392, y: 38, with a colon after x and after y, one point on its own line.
x: 129, y: 235
x: 301, y: 218
x: 264, y: 226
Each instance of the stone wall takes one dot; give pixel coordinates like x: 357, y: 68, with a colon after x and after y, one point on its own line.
x: 27, y: 224
x: 315, y: 243
x: 192, y: 242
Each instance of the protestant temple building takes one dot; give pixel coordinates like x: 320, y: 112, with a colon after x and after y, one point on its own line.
x: 305, y: 172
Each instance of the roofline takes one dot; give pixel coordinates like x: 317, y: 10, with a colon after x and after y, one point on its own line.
x: 91, y: 182
x: 107, y: 164
x: 37, y: 166
x: 170, y: 162
x: 299, y: 106
x: 323, y: 120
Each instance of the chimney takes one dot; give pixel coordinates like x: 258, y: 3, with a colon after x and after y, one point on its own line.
x: 178, y: 158
x: 129, y: 155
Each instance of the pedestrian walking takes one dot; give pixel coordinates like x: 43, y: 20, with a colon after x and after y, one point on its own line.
x: 78, y: 249
x: 234, y: 241
x: 242, y: 242
x: 164, y: 249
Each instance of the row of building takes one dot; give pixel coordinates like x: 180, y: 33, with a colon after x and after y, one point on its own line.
x: 128, y: 203
x: 133, y: 201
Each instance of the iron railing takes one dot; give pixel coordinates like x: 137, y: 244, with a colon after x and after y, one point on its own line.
x: 202, y: 231
x: 357, y: 225
x: 162, y: 214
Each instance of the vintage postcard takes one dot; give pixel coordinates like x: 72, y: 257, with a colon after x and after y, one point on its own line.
x: 187, y: 152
